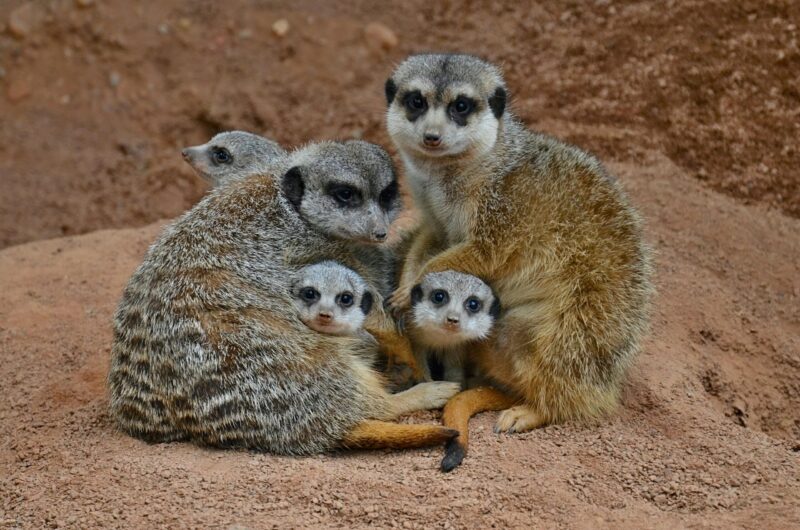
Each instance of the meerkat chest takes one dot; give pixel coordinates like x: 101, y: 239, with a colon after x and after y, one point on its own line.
x: 453, y: 214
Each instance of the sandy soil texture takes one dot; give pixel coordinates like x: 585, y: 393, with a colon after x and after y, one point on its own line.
x: 683, y: 101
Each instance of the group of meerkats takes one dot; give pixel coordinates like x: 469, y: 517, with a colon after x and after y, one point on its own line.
x: 274, y: 316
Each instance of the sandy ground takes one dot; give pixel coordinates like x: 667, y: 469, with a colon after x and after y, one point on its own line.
x: 682, y: 103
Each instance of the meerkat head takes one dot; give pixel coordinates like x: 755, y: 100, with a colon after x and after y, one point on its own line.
x: 230, y: 155
x: 444, y: 105
x: 345, y: 189
x: 450, y: 308
x: 331, y: 298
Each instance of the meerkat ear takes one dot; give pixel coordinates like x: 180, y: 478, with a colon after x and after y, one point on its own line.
x: 498, y: 102
x: 292, y: 186
x: 366, y: 302
x: 391, y: 90
x: 494, y: 310
x: 416, y: 294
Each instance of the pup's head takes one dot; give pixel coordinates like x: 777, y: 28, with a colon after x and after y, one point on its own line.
x: 444, y: 105
x: 331, y: 298
x: 344, y: 189
x: 450, y: 308
x: 230, y: 155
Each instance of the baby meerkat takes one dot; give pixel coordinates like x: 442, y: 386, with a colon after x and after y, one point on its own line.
x: 232, y: 154
x: 331, y: 298
x: 449, y: 311
x: 542, y: 223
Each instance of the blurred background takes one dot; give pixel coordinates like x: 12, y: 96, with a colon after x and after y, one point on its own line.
x: 97, y: 97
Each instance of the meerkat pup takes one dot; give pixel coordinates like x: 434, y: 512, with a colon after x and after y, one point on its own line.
x: 207, y: 343
x: 232, y: 154
x: 449, y: 311
x: 542, y: 223
x: 330, y: 298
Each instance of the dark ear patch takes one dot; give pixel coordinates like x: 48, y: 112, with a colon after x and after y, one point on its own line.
x: 391, y: 90
x: 498, y: 102
x: 494, y: 311
x: 416, y: 294
x: 293, y: 187
x: 366, y: 302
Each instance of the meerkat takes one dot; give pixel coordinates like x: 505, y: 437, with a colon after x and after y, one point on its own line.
x: 450, y: 310
x: 330, y: 298
x: 207, y: 346
x: 237, y: 154
x: 232, y: 154
x: 542, y: 223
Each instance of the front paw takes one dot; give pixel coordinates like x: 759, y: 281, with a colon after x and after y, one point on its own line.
x: 399, y: 301
x: 438, y: 393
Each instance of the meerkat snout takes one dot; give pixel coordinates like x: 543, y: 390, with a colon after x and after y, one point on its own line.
x: 450, y: 308
x: 331, y: 299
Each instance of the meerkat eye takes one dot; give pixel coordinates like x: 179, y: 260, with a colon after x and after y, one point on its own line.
x: 473, y: 305
x: 346, y: 299
x: 309, y: 294
x: 415, y: 104
x: 345, y: 195
x: 439, y: 297
x: 460, y: 108
x: 220, y: 155
x: 388, y: 195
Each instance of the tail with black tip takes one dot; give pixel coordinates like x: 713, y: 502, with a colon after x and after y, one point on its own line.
x: 456, y: 416
x: 374, y: 434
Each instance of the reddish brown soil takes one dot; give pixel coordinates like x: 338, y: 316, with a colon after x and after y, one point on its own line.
x: 678, y: 101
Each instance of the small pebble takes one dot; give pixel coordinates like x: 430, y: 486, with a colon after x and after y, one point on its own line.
x: 84, y: 3
x: 245, y: 33
x: 380, y: 36
x: 280, y: 27
x: 114, y: 79
x: 17, y: 90
x: 163, y: 29
x: 2, y: 72
x: 185, y: 23
x: 22, y: 20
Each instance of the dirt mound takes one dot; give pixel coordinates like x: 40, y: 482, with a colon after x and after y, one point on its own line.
x: 708, y: 435
x: 97, y: 100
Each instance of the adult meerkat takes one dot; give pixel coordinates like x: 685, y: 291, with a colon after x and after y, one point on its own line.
x: 538, y: 220
x: 236, y: 154
x: 450, y: 310
x: 207, y: 345
x: 233, y: 154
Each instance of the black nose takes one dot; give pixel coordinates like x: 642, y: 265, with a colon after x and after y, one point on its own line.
x: 432, y: 140
x: 452, y: 320
x: 380, y: 236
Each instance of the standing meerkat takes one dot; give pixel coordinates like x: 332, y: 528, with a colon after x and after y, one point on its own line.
x: 541, y: 222
x: 233, y: 154
x: 207, y: 344
x: 450, y: 310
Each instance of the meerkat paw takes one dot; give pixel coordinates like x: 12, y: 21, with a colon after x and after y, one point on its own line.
x: 440, y: 392
x: 518, y: 419
x: 399, y: 301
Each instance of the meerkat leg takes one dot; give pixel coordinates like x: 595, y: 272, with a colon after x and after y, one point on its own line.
x: 521, y: 418
x: 423, y: 396
x: 402, y: 366
x: 415, y: 258
x: 454, y: 370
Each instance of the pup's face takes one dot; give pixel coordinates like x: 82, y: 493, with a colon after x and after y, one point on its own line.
x: 231, y: 154
x: 445, y: 105
x: 331, y: 299
x: 347, y: 190
x: 450, y: 308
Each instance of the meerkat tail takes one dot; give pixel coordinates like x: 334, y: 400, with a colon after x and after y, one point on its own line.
x: 374, y: 434
x: 457, y: 413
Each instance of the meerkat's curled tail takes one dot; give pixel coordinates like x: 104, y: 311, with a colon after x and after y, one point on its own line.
x: 457, y: 413
x: 374, y: 434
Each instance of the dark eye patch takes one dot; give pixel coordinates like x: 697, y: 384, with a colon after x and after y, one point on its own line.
x: 220, y: 155
x: 345, y: 195
x: 415, y: 104
x: 460, y: 109
x: 388, y: 195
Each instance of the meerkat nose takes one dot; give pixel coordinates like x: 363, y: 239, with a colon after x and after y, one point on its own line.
x: 186, y: 154
x: 432, y: 140
x: 325, y: 316
x: 380, y: 236
x: 452, y: 320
